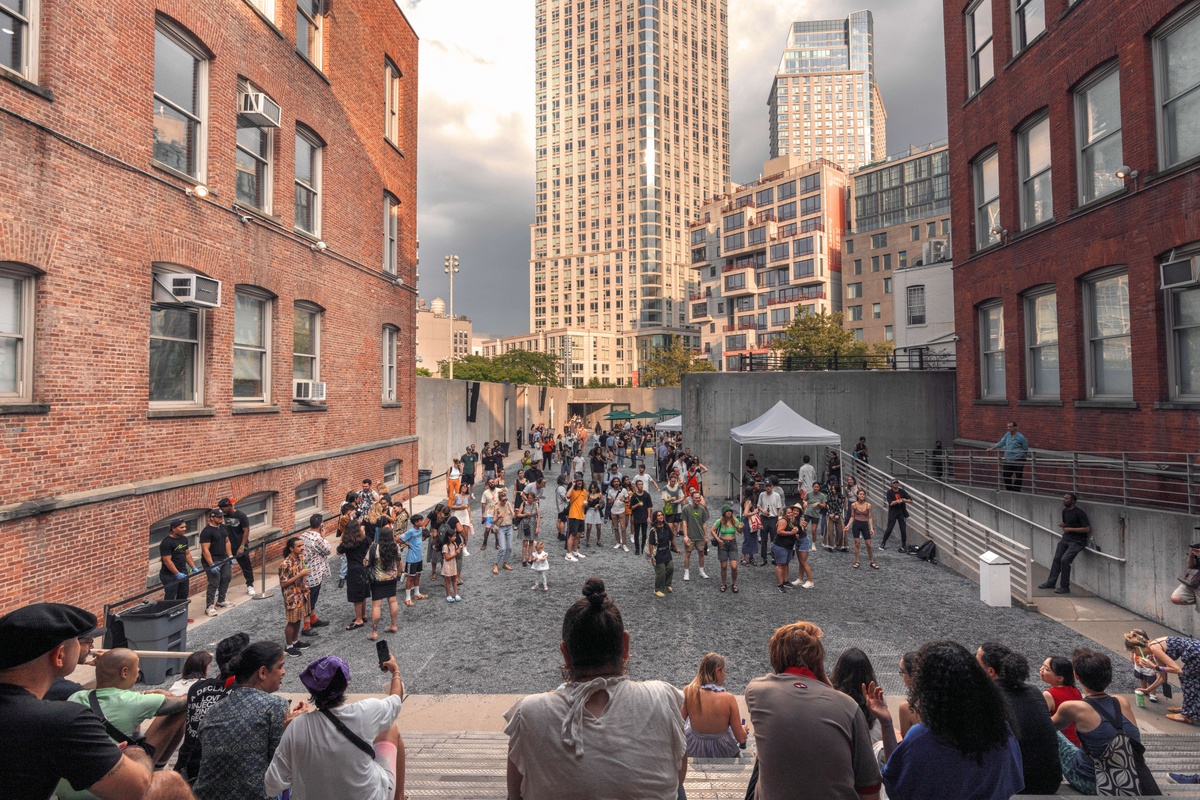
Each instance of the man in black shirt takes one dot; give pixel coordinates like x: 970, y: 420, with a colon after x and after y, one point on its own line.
x: 42, y: 742
x: 214, y: 541
x: 238, y: 525
x: 1075, y: 527
x: 897, y: 500
x: 177, y: 563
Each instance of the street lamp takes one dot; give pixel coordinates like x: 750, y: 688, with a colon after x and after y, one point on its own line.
x: 451, y: 269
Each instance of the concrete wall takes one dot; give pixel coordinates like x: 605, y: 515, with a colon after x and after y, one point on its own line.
x: 1153, y: 543
x: 892, y: 409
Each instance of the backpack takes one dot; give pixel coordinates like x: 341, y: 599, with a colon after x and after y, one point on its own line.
x: 928, y: 552
x: 1121, y: 770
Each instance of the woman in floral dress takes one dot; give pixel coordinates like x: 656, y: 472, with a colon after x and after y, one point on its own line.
x: 292, y: 573
x: 1180, y: 655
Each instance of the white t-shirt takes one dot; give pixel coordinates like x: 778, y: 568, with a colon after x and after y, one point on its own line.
x: 619, y: 498
x: 770, y: 503
x: 634, y: 749
x: 319, y: 763
x: 808, y: 475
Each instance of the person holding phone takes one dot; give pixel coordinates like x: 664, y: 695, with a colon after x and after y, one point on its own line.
x: 293, y: 585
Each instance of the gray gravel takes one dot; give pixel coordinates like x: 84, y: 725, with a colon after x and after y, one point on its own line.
x: 503, y: 637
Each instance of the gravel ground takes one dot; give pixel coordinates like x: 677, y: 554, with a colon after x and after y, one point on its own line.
x: 503, y: 638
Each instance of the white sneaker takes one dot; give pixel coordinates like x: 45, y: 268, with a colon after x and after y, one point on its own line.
x: 687, y: 575
x: 250, y: 591
x: 579, y: 554
x: 617, y: 546
x: 569, y: 557
x: 466, y: 552
x: 797, y: 582
x: 806, y: 585
x: 625, y: 547
x: 703, y: 574
x: 211, y: 611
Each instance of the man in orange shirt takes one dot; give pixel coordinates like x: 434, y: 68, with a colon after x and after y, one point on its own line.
x: 576, y: 505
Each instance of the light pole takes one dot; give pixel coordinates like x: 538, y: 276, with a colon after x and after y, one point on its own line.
x: 451, y: 269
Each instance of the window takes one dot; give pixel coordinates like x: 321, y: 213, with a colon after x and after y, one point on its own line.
x: 802, y: 269
x: 853, y: 291
x: 251, y: 346
x: 787, y: 190
x: 308, y: 182
x: 887, y: 261
x: 887, y: 285
x: 737, y: 342
x: 810, y: 205
x: 849, y: 247
x: 1029, y: 20
x: 390, y: 335
x: 257, y: 508
x: 876, y: 311
x: 916, y: 233
x: 1098, y: 132
x: 874, y: 263
x: 309, y: 20
x: 1177, y: 87
x: 255, y: 148
x: 175, y: 355
x: 1041, y: 344
x: 779, y: 252
x: 391, y: 234
x: 735, y: 221
x: 308, y: 500
x: 781, y: 316
x: 391, y: 474
x: 786, y: 211
x: 19, y: 37
x: 16, y: 333
x: 757, y: 235
x: 764, y: 197
x: 194, y: 521
x: 856, y: 313
x: 888, y: 334
x: 1033, y: 153
x: 879, y: 240
x: 735, y: 241
x: 986, y: 173
x: 180, y: 100
x: 991, y: 347
x: 735, y: 282
x: 902, y: 259
x: 858, y: 266
x: 306, y: 342
x: 391, y: 103
x: 1106, y: 320
x: 980, y: 68
x: 1183, y: 320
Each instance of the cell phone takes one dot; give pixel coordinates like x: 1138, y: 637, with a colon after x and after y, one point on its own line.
x: 381, y: 648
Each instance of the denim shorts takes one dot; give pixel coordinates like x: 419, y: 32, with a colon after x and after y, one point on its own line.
x: 804, y: 544
x: 782, y: 555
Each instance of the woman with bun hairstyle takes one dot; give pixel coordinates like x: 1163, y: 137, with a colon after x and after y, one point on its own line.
x: 600, y: 735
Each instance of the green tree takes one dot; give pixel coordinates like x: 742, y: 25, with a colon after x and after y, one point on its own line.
x: 820, y: 335
x: 597, y: 383
x: 422, y: 372
x: 515, y: 366
x: 666, y: 366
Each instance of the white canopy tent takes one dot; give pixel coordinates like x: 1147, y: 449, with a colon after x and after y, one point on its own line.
x: 674, y: 424
x: 779, y: 426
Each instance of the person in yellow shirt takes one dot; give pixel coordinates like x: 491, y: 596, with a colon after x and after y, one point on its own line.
x: 577, y: 497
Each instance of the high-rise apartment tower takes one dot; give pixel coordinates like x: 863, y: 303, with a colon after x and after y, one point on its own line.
x: 632, y: 109
x: 824, y: 101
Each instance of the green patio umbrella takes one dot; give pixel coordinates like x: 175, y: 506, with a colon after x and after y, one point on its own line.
x: 645, y: 415
x: 620, y: 413
x: 668, y: 412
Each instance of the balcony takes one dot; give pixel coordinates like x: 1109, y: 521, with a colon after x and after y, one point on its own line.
x: 742, y: 326
x: 695, y: 296
x: 741, y: 263
x: 818, y: 294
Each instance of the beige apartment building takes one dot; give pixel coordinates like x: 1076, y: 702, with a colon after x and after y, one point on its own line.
x: 583, y: 355
x: 764, y: 253
x: 632, y: 132
x: 440, y: 337
x: 824, y: 101
x: 898, y: 215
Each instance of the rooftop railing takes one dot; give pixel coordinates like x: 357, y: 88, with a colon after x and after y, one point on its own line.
x: 777, y: 362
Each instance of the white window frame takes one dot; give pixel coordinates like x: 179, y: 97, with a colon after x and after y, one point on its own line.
x: 391, y: 338
x: 200, y: 118
x: 1033, y: 348
x: 987, y: 391
x: 1091, y: 338
x: 29, y: 36
x: 977, y: 52
x: 261, y: 521
x: 23, y: 331
x: 313, y: 188
x: 197, y: 398
x: 1029, y: 179
x: 1186, y: 17
x: 909, y: 306
x: 983, y: 218
x: 309, y: 498
x: 315, y: 25
x: 264, y: 7
x: 317, y: 314
x: 1020, y: 34
x: 391, y: 102
x: 1174, y: 367
x: 391, y: 234
x: 391, y: 473
x: 263, y: 350
x: 267, y: 162
x: 1083, y: 146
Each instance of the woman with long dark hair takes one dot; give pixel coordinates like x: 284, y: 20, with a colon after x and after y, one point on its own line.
x: 353, y: 549
x: 1035, y: 733
x: 851, y: 674
x: 640, y: 505
x: 662, y: 545
x: 384, y: 562
x: 294, y: 588
x: 600, y: 735
x: 1059, y: 676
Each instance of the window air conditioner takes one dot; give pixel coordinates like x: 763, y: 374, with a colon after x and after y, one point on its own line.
x: 260, y: 110
x: 308, y: 390
x: 1180, y: 272
x: 193, y: 290
x: 934, y: 251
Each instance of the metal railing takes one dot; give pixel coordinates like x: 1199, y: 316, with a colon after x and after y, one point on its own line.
x: 960, y: 540
x: 1165, y: 481
x: 777, y: 362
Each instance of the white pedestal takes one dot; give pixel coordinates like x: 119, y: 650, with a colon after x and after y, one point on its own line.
x: 994, y: 580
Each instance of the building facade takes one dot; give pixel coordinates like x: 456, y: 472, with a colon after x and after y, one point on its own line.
x: 632, y: 134
x: 764, y: 253
x: 898, y: 216
x: 824, y: 102
x: 1074, y: 177
x: 924, y: 332
x: 207, y: 262
x: 440, y: 337
x: 585, y: 357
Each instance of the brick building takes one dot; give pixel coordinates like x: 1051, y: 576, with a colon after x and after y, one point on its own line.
x: 1075, y: 168
x: 207, y: 273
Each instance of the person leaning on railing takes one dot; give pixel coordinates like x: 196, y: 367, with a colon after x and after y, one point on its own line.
x: 1189, y: 580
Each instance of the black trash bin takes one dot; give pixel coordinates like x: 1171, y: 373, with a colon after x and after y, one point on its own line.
x: 158, y: 625
x: 504, y: 449
x: 423, y: 476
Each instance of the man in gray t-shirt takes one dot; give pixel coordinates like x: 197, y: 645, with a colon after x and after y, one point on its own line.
x: 695, y: 534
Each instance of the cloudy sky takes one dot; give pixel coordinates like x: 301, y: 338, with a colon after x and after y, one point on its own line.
x: 475, y: 137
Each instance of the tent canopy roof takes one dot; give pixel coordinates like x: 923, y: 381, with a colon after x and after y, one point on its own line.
x: 672, y: 424
x: 782, y: 425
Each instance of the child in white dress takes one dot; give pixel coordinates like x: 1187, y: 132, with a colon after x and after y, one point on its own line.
x: 541, y: 565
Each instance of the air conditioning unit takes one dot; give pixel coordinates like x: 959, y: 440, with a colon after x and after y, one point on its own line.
x: 308, y: 390
x: 1180, y: 272
x: 260, y: 110
x: 934, y: 251
x: 194, y: 290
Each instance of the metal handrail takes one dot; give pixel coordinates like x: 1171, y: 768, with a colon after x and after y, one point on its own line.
x: 959, y: 538
x: 1164, y: 481
x: 999, y: 510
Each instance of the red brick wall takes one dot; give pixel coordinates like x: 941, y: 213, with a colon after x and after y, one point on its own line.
x: 1135, y: 230
x: 93, y: 224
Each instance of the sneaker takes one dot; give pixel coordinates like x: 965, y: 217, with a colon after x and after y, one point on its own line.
x: 545, y: 588
x: 1179, y: 777
x: 449, y: 599
x: 703, y: 574
x: 569, y: 557
x: 211, y: 611
x: 224, y: 604
x: 617, y: 546
x: 669, y: 589
x: 250, y: 590
x: 797, y: 582
x: 659, y: 594
x: 457, y: 599
x: 1062, y: 590
x: 309, y: 632
x: 687, y: 575
x: 1045, y: 585
x: 1153, y: 698
x: 783, y: 588
x: 466, y: 552
x: 843, y: 549
x: 625, y: 547
x: 292, y: 650
x: 806, y: 585
x: 341, y: 583
x: 534, y: 586
x: 579, y: 554
x: 301, y: 643
x: 321, y: 623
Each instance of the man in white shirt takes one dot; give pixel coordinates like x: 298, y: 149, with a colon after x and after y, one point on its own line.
x: 808, y: 474
x: 770, y: 506
x: 487, y: 507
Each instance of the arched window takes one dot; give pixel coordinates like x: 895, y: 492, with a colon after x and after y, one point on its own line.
x: 310, y: 499
x: 16, y: 332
